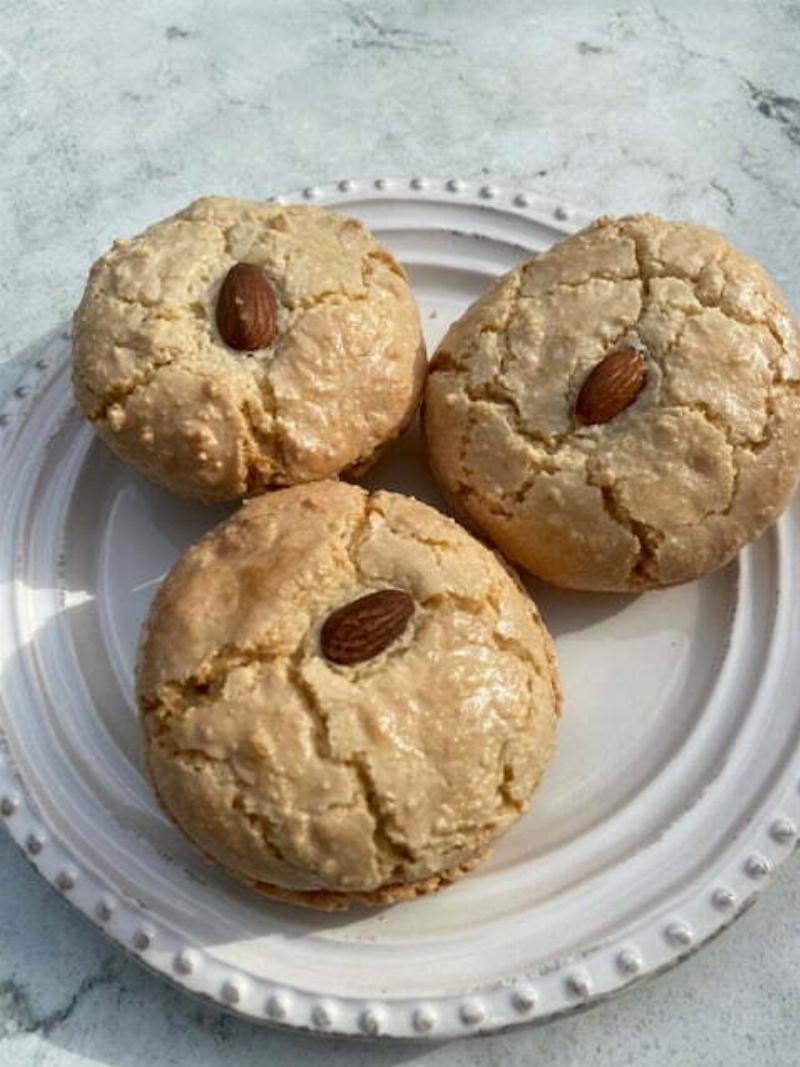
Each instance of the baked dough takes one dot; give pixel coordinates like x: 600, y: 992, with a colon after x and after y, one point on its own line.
x: 324, y: 784
x: 699, y: 464
x: 342, y: 377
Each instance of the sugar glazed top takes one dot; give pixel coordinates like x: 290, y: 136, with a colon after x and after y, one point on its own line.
x: 241, y: 345
x: 345, y: 696
x: 622, y: 412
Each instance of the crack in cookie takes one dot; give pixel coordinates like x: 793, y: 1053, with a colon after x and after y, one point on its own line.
x: 341, y: 378
x: 723, y: 354
x: 306, y: 775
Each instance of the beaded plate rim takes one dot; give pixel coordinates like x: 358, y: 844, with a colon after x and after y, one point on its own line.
x: 732, y: 890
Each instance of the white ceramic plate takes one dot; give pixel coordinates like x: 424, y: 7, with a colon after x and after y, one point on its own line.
x: 673, y: 794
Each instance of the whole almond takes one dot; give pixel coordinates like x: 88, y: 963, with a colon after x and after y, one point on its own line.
x: 365, y: 627
x: 246, y: 308
x: 611, y: 387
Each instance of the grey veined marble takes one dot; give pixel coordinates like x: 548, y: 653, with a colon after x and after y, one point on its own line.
x: 113, y: 115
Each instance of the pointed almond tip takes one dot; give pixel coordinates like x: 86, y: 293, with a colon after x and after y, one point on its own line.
x: 611, y: 387
x: 364, y: 628
x: 246, y: 308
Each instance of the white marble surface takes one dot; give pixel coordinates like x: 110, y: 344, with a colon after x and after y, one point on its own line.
x: 112, y: 115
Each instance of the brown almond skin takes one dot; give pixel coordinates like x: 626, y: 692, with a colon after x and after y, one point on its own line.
x: 611, y: 386
x: 365, y: 627
x: 246, y: 308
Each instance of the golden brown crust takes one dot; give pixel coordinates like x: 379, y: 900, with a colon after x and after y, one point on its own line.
x: 361, y: 466
x: 331, y: 900
x: 326, y: 900
x: 340, y: 379
x: 700, y: 463
x: 367, y: 780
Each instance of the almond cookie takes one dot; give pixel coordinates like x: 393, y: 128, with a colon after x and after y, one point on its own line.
x: 239, y: 346
x: 622, y: 412
x: 345, y: 697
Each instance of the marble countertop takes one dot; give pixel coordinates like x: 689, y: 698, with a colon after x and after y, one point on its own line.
x: 113, y: 115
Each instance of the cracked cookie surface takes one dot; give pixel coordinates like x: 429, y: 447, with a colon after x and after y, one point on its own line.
x: 328, y: 784
x: 342, y: 377
x: 699, y: 464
